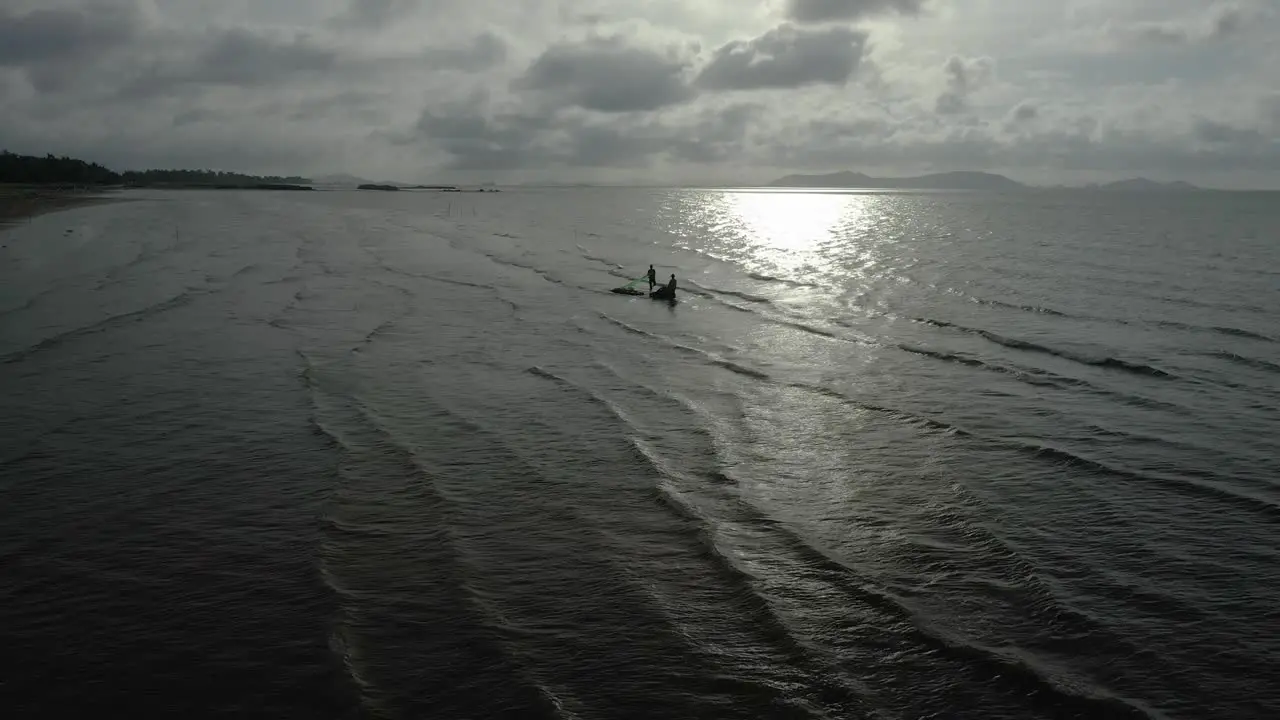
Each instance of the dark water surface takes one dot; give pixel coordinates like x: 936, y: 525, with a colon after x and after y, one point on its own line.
x: 404, y: 455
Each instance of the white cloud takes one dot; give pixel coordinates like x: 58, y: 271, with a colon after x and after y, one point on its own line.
x: 667, y: 90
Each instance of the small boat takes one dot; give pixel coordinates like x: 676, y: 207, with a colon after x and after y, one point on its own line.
x: 663, y: 293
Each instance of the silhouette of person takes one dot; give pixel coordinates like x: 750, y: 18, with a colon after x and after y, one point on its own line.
x: 671, y: 284
x: 653, y: 278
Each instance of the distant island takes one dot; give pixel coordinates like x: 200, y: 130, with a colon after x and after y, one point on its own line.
x: 343, y: 179
x: 959, y: 181
x: 50, y: 170
x: 1142, y: 185
x: 936, y: 181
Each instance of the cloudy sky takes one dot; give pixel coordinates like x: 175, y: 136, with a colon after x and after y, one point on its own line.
x: 735, y: 91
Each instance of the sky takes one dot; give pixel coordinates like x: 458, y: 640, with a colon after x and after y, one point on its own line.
x: 661, y: 91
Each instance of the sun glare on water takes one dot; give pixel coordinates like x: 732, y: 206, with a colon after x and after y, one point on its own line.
x: 792, y: 231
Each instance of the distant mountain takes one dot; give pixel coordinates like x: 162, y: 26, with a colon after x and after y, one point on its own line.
x: 341, y: 179
x: 1145, y: 185
x: 936, y: 181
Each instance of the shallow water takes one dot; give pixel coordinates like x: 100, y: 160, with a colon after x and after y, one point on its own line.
x: 404, y: 455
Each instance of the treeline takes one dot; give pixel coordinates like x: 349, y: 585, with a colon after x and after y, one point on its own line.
x: 30, y: 169
x: 204, y: 177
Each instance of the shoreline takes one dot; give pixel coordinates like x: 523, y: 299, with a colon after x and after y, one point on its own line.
x: 20, y: 203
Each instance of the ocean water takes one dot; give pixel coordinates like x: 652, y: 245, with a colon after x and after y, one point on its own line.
x: 340, y: 454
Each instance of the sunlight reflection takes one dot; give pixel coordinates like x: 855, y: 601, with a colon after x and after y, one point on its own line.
x: 793, y: 231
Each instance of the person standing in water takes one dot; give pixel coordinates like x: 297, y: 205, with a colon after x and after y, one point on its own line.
x: 653, y: 278
x: 671, y: 285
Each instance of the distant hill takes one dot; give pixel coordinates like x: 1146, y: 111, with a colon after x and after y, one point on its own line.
x: 341, y: 179
x: 356, y: 180
x: 936, y: 181
x: 1145, y: 185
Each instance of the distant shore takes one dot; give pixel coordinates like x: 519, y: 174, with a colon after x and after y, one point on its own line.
x: 21, y: 202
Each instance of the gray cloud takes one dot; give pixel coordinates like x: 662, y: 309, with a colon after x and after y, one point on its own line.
x: 1169, y: 86
x: 480, y: 136
x: 1024, y: 112
x: 60, y: 34
x: 607, y: 75
x: 963, y: 76
x: 237, y: 58
x: 51, y: 46
x: 374, y: 14
x: 786, y: 57
x: 196, y: 116
x: 1068, y: 143
x: 1221, y: 23
x: 484, y: 51
x: 245, y: 59
x: 1269, y: 110
x: 820, y: 11
x: 347, y: 105
x: 241, y: 57
x: 1214, y: 133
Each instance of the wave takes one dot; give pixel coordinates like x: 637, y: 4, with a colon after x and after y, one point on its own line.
x: 435, y: 278
x: 1238, y: 332
x: 1041, y: 310
x: 1192, y: 327
x: 953, y: 429
x: 531, y: 268
x: 710, y: 357
x: 712, y: 293
x: 602, y: 261
x: 739, y: 369
x: 1107, y: 362
x: 373, y: 334
x: 366, y: 523
x: 1038, y: 683
x: 705, y: 528
x: 1035, y: 309
x: 285, y: 279
x: 631, y: 328
x: 1175, y: 324
x: 108, y: 323
x: 702, y: 527
x: 669, y: 342
x: 1103, y: 362
x: 1203, y: 489
x: 802, y: 327
x: 732, y: 293
x: 823, y: 677
x: 810, y: 558
x: 1256, y: 363
x: 949, y: 357
x: 28, y: 303
x: 1031, y: 376
x: 1044, y: 451
x: 1068, y: 458
x: 772, y: 278
x: 459, y: 283
x: 934, y: 323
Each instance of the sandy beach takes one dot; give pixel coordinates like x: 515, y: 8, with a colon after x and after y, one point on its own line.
x: 19, y: 202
